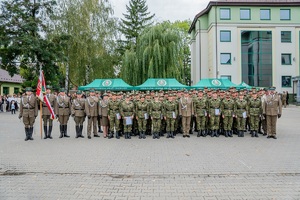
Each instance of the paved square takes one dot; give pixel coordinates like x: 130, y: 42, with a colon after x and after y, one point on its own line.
x: 180, y: 168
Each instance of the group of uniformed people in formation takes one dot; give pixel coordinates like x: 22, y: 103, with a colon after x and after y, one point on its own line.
x: 207, y: 112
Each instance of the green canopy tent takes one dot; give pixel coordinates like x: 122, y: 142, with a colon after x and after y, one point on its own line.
x: 107, y: 84
x: 161, y: 84
x: 245, y: 85
x: 214, y: 84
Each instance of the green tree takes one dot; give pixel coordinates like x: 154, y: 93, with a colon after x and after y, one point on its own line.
x: 23, y: 39
x: 90, y: 50
x: 136, y: 20
x: 159, y: 54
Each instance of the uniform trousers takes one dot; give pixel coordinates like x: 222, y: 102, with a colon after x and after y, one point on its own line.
x: 46, y: 119
x: 186, y: 124
x: 92, y: 122
x: 271, y: 125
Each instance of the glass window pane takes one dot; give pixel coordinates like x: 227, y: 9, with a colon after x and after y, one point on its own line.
x: 225, y: 58
x: 225, y: 36
x: 245, y: 14
x: 226, y: 77
x: 286, y: 59
x: 285, y: 14
x: 286, y: 36
x: 265, y: 14
x: 286, y: 81
x: 224, y: 13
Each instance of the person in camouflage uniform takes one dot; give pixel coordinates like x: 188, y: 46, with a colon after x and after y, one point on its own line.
x: 170, y: 113
x: 148, y: 99
x: 141, y: 110
x: 114, y: 116
x: 214, y: 114
x: 200, y: 110
x: 228, y: 107
x: 155, y: 111
x: 255, y: 112
x: 78, y: 112
x: 127, y: 111
x: 241, y: 108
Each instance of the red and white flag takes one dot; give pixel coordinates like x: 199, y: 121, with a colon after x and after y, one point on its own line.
x: 41, y: 86
x: 41, y: 90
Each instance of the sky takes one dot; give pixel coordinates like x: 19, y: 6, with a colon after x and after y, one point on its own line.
x: 164, y: 10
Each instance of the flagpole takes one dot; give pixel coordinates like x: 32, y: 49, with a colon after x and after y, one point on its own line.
x: 41, y: 113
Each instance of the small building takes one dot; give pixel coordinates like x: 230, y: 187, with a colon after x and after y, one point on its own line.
x: 251, y: 41
x: 8, y: 84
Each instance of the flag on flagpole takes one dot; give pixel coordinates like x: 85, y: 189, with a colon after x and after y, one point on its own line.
x: 41, y: 86
x: 46, y: 100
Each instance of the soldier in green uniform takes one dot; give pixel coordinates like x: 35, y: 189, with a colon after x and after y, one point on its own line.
x: 241, y: 106
x: 255, y: 112
x: 228, y: 107
x: 78, y: 112
x: 155, y: 111
x: 200, y: 110
x: 63, y: 112
x: 46, y: 113
x: 148, y: 99
x: 141, y: 110
x: 214, y: 105
x: 91, y: 110
x: 114, y: 116
x: 127, y: 113
x: 29, y: 111
x: 170, y: 108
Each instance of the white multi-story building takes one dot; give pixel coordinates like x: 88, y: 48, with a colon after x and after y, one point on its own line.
x: 249, y: 40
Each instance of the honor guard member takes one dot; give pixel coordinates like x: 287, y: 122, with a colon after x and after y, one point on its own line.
x: 170, y: 114
x: 241, y: 108
x: 91, y: 110
x: 141, y: 110
x: 214, y: 114
x: 127, y: 112
x: 78, y: 106
x: 255, y: 112
x: 114, y: 116
x: 46, y: 113
x: 200, y: 110
x: 29, y: 111
x: 228, y: 107
x: 155, y: 111
x: 103, y: 114
x: 186, y: 111
x: 63, y: 112
x: 272, y: 108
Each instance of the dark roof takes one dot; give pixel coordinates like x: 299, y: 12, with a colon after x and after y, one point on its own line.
x: 281, y: 3
x: 5, y: 77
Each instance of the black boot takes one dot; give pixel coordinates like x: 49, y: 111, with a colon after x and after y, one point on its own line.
x: 140, y: 134
x: 154, y: 135
x: 49, y: 132
x: 80, y: 131
x: 117, y: 134
x: 168, y: 134
x: 128, y: 135
x: 65, y: 131
x: 45, y: 132
x: 30, y: 133
x: 230, y: 133
x: 61, y: 131
x: 242, y: 134
x: 199, y: 133
x: 172, y: 134
x: 252, y: 133
x: 111, y: 135
x: 77, y: 131
x: 27, y: 134
x: 204, y: 133
x: 217, y: 133
x: 212, y: 133
x: 226, y: 133
x: 255, y: 133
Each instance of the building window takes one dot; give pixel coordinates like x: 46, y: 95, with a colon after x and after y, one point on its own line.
x: 286, y: 81
x: 224, y: 13
x: 265, y: 14
x: 6, y: 90
x: 226, y: 77
x: 245, y: 14
x: 286, y: 36
x: 225, y: 36
x: 286, y: 59
x: 285, y: 14
x: 256, y: 55
x: 16, y: 90
x: 225, y: 58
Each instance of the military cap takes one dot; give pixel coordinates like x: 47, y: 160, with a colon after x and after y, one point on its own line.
x: 142, y: 96
x: 62, y: 90
x: 105, y: 94
x: 28, y: 89
x: 127, y: 96
x: 92, y: 90
x: 241, y: 93
x: 272, y: 88
x: 254, y: 92
x: 78, y: 92
x: 48, y: 86
x: 186, y: 91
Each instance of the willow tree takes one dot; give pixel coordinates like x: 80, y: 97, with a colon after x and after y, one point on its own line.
x: 158, y: 55
x: 90, y: 50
